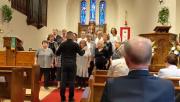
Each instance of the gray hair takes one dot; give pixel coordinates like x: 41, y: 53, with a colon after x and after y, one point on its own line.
x: 138, y: 50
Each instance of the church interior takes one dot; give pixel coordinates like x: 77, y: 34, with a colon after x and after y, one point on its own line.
x: 25, y: 25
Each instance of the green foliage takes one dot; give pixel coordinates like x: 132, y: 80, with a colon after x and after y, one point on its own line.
x: 163, y: 15
x: 7, y: 13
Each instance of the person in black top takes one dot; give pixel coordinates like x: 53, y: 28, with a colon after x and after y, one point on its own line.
x: 100, y: 56
x: 57, y: 38
x: 20, y: 46
x: 52, y: 45
x: 108, y: 48
x: 68, y: 50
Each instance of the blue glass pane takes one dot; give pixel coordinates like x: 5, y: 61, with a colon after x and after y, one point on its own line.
x: 102, y: 12
x: 83, y: 12
x: 93, y: 10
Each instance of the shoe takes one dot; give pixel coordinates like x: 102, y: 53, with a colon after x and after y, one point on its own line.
x: 47, y: 88
x: 63, y: 99
x: 71, y: 100
x: 83, y: 88
x: 78, y: 87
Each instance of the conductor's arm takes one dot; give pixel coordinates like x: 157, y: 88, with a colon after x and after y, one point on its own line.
x: 79, y: 50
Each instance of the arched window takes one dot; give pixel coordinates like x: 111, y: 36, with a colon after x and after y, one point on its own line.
x: 83, y: 12
x: 102, y: 12
x: 92, y: 10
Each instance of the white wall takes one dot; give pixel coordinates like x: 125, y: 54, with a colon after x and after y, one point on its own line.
x: 31, y: 36
x: 177, y: 16
x: 142, y: 18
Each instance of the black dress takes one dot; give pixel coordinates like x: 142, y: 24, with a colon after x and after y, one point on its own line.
x: 109, y: 50
x: 100, y: 59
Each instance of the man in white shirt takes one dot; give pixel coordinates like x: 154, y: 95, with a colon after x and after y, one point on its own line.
x: 83, y: 37
x: 99, y: 37
x: 171, y: 69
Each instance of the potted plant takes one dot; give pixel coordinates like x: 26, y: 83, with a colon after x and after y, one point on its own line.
x: 163, y: 16
x: 6, y: 13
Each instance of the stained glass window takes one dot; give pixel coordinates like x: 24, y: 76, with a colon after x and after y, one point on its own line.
x: 92, y: 10
x: 102, y: 12
x: 83, y: 12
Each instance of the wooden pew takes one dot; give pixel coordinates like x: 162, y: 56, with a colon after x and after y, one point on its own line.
x: 96, y: 82
x: 12, y: 88
x: 2, y: 58
x: 30, y: 80
x: 96, y: 89
x: 99, y: 72
x: 175, y: 81
x: 25, y: 59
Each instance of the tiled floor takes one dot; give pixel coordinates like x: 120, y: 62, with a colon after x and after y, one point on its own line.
x: 43, y: 93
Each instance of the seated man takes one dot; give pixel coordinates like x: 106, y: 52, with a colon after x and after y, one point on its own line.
x: 171, y: 69
x: 138, y: 85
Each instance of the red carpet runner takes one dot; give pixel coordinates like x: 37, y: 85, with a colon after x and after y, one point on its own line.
x: 54, y: 96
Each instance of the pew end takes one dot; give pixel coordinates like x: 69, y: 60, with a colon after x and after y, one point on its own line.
x: 176, y: 82
x: 12, y: 87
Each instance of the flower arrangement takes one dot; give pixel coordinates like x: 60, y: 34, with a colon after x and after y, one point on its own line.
x: 154, y: 46
x: 175, y: 49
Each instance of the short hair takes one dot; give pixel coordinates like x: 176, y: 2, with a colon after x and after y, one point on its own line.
x: 75, y: 34
x: 45, y: 41
x: 135, y: 57
x: 172, y: 59
x: 49, y: 36
x: 107, y: 35
x: 83, y: 41
x: 69, y: 35
x: 114, y: 30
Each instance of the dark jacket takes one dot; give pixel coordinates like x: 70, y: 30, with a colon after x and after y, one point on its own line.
x: 52, y: 46
x: 101, y: 58
x: 108, y: 48
x: 58, y: 39
x: 68, y: 51
x: 138, y: 86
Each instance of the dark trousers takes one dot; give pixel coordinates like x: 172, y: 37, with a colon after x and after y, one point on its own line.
x: 58, y: 74
x: 53, y: 73
x: 81, y: 81
x: 68, y: 74
x: 46, y: 72
x: 90, y: 69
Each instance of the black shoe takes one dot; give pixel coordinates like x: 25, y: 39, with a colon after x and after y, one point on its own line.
x: 63, y: 99
x: 71, y: 100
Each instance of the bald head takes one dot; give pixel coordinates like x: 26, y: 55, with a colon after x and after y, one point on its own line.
x: 138, y: 51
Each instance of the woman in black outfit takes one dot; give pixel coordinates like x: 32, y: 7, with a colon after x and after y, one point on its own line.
x: 100, y: 56
x: 108, y: 48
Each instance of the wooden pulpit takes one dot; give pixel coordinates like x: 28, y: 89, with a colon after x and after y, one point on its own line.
x: 10, y: 43
x: 163, y: 41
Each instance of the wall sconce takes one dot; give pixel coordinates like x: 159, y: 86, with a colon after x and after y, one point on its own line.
x: 161, y: 1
